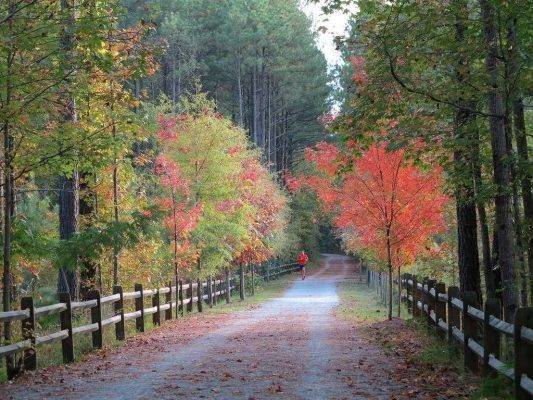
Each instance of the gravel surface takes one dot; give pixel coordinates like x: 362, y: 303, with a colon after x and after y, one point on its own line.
x: 290, y: 347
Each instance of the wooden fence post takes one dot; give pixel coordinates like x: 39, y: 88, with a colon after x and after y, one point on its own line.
x: 65, y: 320
x: 190, y: 296
x: 253, y: 279
x: 228, y: 286
x: 440, y: 308
x: 168, y: 300
x: 96, y: 318
x: 523, y: 364
x: 119, y: 310
x: 215, y: 290
x: 469, y: 330
x: 139, y: 306
x: 409, y: 292
x: 179, y: 302
x: 454, y: 316
x: 156, y: 317
x: 241, y: 282
x: 491, y: 337
x: 200, y: 295
x: 28, y: 332
x: 416, y: 297
x: 210, y: 291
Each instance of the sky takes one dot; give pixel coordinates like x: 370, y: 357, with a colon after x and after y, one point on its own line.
x: 336, y: 25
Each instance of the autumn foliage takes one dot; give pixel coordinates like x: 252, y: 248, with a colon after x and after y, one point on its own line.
x: 381, y: 201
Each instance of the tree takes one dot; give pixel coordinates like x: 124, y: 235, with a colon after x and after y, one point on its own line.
x: 389, y: 205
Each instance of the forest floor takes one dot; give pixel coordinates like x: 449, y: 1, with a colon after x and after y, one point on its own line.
x: 319, y: 339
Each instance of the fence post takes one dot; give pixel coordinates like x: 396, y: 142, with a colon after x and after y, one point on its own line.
x: 440, y: 308
x: 228, y: 286
x: 65, y: 320
x: 96, y: 318
x: 190, y: 296
x: 28, y: 332
x: 416, y: 295
x: 523, y: 350
x: 491, y: 337
x: 454, y: 316
x: 200, y: 295
x: 431, y: 302
x: 119, y: 310
x: 168, y: 300
x: 179, y: 300
x: 156, y: 317
x: 409, y: 292
x: 241, y: 282
x: 469, y: 330
x: 139, y: 306
x: 210, y: 291
x: 215, y: 290
x: 253, y: 279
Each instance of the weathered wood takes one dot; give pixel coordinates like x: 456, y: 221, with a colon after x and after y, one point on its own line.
x: 156, y: 317
x: 210, y: 292
x: 96, y: 318
x: 416, y: 297
x: 470, y: 331
x: 168, y: 300
x: 491, y: 337
x: 28, y: 332
x: 13, y: 315
x: 190, y: 296
x: 65, y: 319
x: 119, y: 310
x: 180, y: 309
x: 139, y: 306
x: 241, y: 283
x: 228, y: 286
x: 454, y: 316
x: 51, y: 309
x: 200, y: 295
x: 523, y: 364
x: 440, y: 308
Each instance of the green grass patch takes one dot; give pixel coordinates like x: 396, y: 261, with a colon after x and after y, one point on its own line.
x: 360, y: 303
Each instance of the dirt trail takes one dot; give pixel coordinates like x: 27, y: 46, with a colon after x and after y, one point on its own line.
x: 291, y: 347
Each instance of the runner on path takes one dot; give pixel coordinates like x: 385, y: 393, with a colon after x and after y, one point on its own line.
x: 302, y: 260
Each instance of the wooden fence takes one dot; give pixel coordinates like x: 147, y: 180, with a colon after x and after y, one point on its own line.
x: 178, y: 297
x: 477, y: 329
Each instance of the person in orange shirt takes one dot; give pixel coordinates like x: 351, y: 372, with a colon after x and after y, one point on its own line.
x: 302, y: 260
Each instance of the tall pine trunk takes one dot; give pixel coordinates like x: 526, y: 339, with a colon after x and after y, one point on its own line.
x: 500, y: 167
x: 464, y: 134
x: 68, y: 185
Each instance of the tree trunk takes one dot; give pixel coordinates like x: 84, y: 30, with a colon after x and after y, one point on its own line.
x: 389, y: 265
x: 464, y: 137
x: 501, y: 170
x: 89, y: 269
x: 239, y: 93
x: 68, y: 186
x: 522, y: 168
x: 399, y: 292
x: 8, y: 196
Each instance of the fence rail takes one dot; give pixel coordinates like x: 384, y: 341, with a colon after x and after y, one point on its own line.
x: 179, y: 297
x: 478, y: 329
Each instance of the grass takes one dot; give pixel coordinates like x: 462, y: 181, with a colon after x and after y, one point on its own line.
x: 360, y: 303
x: 49, y: 355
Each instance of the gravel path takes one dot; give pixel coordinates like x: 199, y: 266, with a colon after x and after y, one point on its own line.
x: 291, y: 347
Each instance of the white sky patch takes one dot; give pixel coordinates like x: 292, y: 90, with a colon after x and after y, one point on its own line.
x: 336, y: 24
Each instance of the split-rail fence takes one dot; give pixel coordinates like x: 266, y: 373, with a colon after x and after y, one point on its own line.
x: 116, y: 309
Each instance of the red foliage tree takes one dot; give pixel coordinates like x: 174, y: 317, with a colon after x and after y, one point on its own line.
x: 390, y: 205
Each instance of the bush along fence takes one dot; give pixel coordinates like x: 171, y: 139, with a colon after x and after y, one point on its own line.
x: 117, y: 309
x: 477, y: 329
